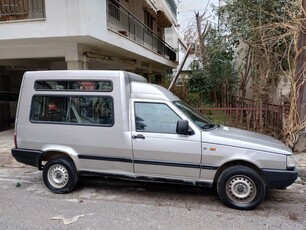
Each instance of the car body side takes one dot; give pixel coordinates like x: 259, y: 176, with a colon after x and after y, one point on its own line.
x: 194, y: 159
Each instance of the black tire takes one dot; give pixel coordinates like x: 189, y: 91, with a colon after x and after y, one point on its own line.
x: 60, y: 175
x: 241, y: 187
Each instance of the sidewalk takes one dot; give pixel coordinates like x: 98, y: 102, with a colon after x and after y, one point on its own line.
x: 7, y: 143
x: 300, y: 159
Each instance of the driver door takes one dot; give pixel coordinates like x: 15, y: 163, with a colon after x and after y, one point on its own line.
x: 158, y: 150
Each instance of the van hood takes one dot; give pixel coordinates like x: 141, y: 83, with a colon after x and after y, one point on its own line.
x: 234, y: 137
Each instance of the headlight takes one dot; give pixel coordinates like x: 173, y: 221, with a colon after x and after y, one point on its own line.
x: 290, y: 162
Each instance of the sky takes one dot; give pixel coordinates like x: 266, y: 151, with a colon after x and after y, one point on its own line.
x: 186, y: 17
x: 186, y: 9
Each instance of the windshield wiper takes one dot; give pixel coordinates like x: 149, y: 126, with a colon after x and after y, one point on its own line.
x: 208, y: 126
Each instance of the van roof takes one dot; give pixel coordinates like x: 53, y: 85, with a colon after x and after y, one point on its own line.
x: 83, y: 74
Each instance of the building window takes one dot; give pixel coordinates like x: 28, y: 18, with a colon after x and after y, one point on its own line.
x: 13, y: 10
x: 85, y: 110
x: 155, y: 118
x: 148, y: 20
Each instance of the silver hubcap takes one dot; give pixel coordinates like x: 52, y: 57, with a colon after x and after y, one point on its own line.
x: 241, y: 189
x: 58, y: 176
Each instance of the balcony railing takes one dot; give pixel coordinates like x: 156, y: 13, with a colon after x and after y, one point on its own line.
x: 11, y: 10
x: 121, y: 20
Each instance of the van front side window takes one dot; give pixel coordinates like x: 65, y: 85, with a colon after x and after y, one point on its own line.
x: 155, y: 118
x: 89, y: 110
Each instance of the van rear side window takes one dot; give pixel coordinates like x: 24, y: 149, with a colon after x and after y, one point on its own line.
x: 87, y: 110
x: 101, y: 86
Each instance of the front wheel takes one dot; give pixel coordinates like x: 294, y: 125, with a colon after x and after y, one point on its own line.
x: 241, y: 187
x: 60, y: 175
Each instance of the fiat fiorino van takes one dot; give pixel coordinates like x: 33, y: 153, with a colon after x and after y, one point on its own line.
x: 115, y: 124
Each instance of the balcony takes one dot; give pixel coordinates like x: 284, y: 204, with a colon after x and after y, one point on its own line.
x: 12, y: 10
x: 125, y: 23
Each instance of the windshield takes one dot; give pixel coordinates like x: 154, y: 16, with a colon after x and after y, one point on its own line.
x: 195, y: 116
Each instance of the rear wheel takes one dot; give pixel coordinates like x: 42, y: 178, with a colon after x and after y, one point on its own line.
x: 60, y: 175
x: 241, y: 187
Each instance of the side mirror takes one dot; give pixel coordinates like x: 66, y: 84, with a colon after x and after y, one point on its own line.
x: 182, y: 128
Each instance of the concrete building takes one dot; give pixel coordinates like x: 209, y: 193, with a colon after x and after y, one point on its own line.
x: 135, y: 35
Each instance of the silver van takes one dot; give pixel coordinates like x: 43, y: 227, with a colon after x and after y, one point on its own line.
x: 115, y: 124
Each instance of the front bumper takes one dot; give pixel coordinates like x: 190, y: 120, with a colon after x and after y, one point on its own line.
x: 28, y: 157
x: 280, y: 179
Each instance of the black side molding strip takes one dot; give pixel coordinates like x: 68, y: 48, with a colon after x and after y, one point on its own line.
x: 149, y: 162
x: 166, y: 163
x: 208, y: 167
x: 98, y: 158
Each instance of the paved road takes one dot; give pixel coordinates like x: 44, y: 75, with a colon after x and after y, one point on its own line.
x: 110, y: 204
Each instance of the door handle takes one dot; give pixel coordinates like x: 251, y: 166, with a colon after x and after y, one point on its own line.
x: 139, y: 136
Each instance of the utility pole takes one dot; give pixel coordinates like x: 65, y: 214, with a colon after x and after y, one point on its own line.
x: 300, y: 76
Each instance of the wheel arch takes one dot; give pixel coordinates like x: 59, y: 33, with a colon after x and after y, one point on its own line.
x: 48, y: 155
x: 54, y: 153
x: 238, y: 162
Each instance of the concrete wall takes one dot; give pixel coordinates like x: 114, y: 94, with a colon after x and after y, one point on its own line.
x: 67, y: 24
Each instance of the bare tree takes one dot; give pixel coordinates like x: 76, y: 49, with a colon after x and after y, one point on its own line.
x: 202, y: 33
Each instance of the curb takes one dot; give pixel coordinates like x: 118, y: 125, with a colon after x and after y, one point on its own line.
x: 301, y: 172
